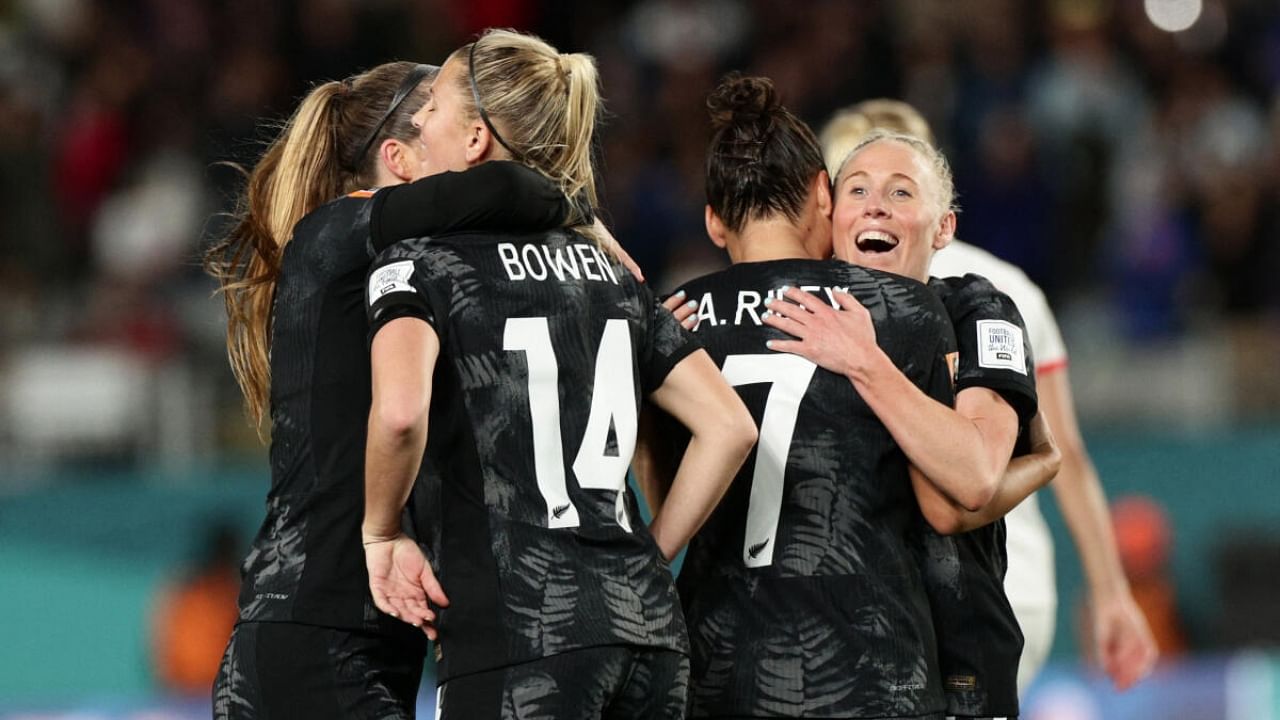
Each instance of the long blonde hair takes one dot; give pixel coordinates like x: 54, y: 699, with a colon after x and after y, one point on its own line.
x: 541, y: 105
x: 311, y: 161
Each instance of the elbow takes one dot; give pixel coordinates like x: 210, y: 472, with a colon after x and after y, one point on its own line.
x: 980, y: 492
x: 1053, y: 463
x: 734, y: 434
x: 742, y: 433
x: 399, y: 418
x: 942, y: 521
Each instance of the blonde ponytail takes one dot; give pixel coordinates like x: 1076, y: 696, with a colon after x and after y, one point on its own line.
x: 541, y: 105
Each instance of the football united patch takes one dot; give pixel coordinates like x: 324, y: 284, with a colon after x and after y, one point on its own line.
x: 1000, y: 346
x: 390, y: 278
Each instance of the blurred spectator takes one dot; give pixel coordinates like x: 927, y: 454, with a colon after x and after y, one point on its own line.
x: 192, y: 616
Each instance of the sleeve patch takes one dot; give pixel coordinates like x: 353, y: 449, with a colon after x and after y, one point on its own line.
x: 1000, y: 346
x: 390, y: 278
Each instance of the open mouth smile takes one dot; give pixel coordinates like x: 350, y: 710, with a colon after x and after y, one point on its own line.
x: 875, y: 241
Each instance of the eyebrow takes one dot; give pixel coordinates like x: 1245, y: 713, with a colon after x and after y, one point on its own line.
x: 908, y: 178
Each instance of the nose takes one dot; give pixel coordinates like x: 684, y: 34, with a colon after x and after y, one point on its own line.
x: 874, y: 207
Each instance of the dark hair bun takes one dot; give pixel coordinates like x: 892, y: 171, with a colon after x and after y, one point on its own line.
x: 740, y: 99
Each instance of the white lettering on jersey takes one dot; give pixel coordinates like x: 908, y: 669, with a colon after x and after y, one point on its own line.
x: 604, y: 263
x: 751, y: 303
x: 511, y: 261
x: 748, y: 301
x: 1000, y: 346
x: 529, y: 255
x: 706, y: 312
x: 539, y: 262
x: 392, y: 277
x: 564, y: 264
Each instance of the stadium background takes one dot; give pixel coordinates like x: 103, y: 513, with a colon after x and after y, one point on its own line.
x: 1133, y: 171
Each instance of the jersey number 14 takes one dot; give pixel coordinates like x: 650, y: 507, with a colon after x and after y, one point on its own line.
x: 613, y: 402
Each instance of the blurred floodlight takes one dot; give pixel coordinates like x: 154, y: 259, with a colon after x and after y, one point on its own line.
x: 1173, y: 15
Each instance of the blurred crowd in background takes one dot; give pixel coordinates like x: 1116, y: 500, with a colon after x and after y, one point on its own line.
x: 1131, y: 171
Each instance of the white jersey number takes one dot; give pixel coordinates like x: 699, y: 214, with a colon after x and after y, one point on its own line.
x: 613, y: 403
x: 788, y: 376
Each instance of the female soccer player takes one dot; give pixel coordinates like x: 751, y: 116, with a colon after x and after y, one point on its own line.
x: 1122, y: 642
x: 529, y: 355
x: 310, y: 642
x: 892, y: 211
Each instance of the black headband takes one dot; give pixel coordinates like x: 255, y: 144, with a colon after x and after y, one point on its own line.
x: 407, y: 86
x: 475, y: 95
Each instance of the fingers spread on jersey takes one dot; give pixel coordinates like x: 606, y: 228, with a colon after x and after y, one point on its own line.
x: 785, y: 323
x: 804, y: 299
x: 783, y: 310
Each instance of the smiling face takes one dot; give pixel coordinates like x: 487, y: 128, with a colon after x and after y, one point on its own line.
x: 448, y: 128
x: 889, y: 213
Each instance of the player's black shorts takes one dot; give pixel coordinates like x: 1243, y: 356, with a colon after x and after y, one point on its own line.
x: 614, y: 682
x: 289, y: 670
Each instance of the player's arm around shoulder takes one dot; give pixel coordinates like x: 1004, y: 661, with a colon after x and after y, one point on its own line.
x: 1024, y: 475
x: 722, y: 435
x: 957, y: 452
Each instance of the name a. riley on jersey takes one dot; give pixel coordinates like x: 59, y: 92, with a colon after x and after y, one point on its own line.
x: 751, y: 304
x: 536, y: 261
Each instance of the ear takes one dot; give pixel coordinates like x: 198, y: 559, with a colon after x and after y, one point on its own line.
x: 946, y: 230
x: 822, y: 194
x: 479, y: 143
x: 716, y: 229
x: 395, y: 160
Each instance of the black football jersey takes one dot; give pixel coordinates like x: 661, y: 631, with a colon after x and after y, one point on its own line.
x: 979, y: 641
x: 801, y: 594
x: 305, y: 564
x: 548, y: 348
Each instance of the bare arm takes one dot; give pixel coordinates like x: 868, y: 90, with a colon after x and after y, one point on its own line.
x: 403, y: 357
x: 963, y: 451
x: 1122, y: 638
x: 652, y: 464
x: 1024, y: 475
x: 723, y: 434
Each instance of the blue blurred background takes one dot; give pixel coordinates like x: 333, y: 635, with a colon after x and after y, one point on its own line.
x: 1125, y: 153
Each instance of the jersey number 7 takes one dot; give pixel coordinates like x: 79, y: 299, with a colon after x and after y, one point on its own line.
x: 613, y: 402
x: 788, y: 377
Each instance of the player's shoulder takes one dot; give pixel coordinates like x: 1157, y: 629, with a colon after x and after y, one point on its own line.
x: 971, y: 293
x: 901, y: 296
x: 336, y: 215
x: 406, y: 250
x: 859, y: 275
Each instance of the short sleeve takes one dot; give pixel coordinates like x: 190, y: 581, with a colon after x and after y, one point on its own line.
x: 994, y: 350
x: 666, y: 344
x: 397, y: 288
